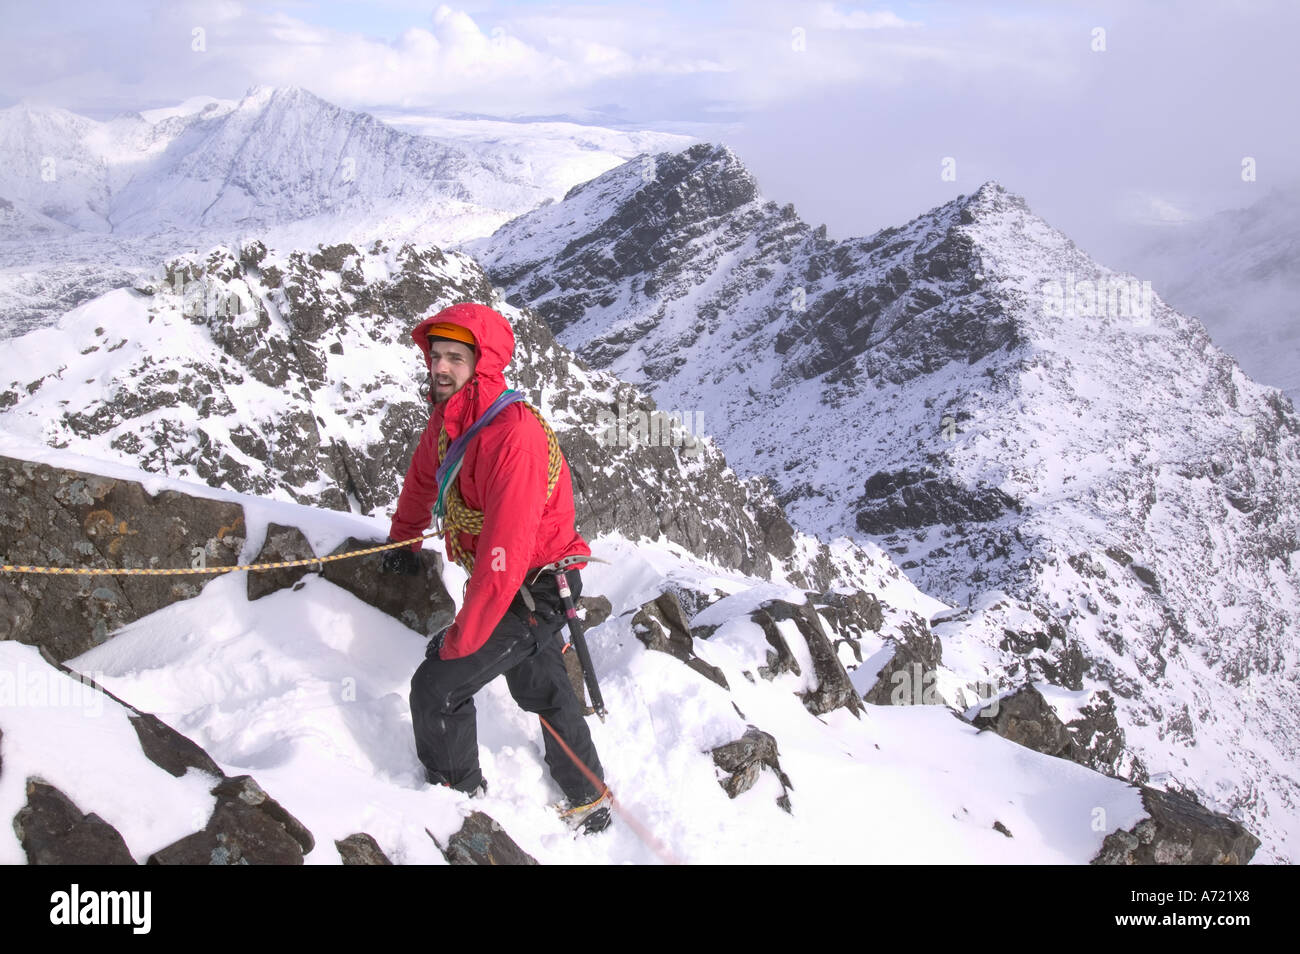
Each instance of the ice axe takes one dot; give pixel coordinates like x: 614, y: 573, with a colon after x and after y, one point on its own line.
x: 577, y: 639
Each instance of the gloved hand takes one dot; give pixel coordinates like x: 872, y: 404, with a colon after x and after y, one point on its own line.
x: 401, y: 560
x: 435, y: 643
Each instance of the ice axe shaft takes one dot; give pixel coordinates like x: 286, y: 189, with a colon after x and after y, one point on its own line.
x: 579, y: 642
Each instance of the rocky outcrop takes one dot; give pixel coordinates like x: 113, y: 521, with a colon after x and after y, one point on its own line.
x: 908, y: 676
x: 912, y: 499
x: 1024, y: 717
x: 850, y: 617
x: 64, y: 518
x: 481, y: 841
x: 54, y: 831
x: 662, y: 626
x: 361, y: 849
x: 282, y: 545
x: 419, y: 600
x: 833, y: 689
x: 247, y: 827
x: 743, y: 760
x: 168, y: 749
x: 1094, y: 738
x: 1178, y: 831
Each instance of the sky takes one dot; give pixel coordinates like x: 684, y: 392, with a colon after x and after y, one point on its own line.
x: 1113, y: 119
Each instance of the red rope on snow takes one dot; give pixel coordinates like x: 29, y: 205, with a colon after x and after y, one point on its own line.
x: 640, y: 830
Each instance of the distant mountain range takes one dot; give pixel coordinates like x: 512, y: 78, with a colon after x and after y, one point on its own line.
x: 1239, y: 272
x: 88, y: 206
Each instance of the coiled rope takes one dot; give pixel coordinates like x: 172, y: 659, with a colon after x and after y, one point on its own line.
x: 458, y: 517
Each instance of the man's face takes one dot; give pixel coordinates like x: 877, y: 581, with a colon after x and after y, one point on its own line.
x: 452, y: 365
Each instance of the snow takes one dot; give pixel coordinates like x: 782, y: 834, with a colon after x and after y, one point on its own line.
x: 72, y: 738
x: 306, y: 690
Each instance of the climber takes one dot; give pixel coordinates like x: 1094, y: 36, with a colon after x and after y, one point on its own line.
x: 509, y: 512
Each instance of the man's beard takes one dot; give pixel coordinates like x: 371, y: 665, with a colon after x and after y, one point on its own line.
x: 440, y: 393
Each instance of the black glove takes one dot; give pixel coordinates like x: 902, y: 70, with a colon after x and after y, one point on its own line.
x: 401, y: 560
x: 435, y: 643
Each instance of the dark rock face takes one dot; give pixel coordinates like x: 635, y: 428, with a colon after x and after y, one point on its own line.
x: 908, y: 677
x: 283, y: 544
x: 361, y: 849
x: 420, y: 601
x: 834, y: 690
x: 1179, y: 831
x: 56, y: 517
x: 170, y: 750
x: 850, y: 616
x: 53, y: 831
x: 913, y: 499
x: 481, y: 841
x: 1095, y: 739
x: 1026, y: 719
x: 1099, y: 739
x: 594, y: 610
x: 663, y: 627
x: 247, y: 827
x: 744, y: 758
x: 683, y: 197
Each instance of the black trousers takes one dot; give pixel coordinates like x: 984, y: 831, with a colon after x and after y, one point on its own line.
x: 525, y: 646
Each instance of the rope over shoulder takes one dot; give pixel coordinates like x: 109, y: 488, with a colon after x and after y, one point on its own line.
x: 458, y: 517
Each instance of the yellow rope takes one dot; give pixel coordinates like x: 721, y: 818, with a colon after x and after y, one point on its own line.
x: 141, y: 571
x: 461, y: 519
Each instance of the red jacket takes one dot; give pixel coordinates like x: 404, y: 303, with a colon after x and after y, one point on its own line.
x: 502, y: 474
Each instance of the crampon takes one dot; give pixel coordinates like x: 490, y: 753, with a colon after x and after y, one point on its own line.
x: 590, y: 817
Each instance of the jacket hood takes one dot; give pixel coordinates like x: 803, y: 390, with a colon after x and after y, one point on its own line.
x: 494, y: 347
x: 495, y: 342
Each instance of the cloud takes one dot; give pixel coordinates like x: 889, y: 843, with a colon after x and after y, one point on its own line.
x: 828, y: 17
x: 846, y: 111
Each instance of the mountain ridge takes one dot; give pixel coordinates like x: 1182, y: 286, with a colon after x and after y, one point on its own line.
x: 966, y: 379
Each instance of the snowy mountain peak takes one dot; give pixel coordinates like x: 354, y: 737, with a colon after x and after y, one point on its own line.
x: 282, y: 157
x: 1036, y: 437
x: 993, y: 196
x: 256, y: 97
